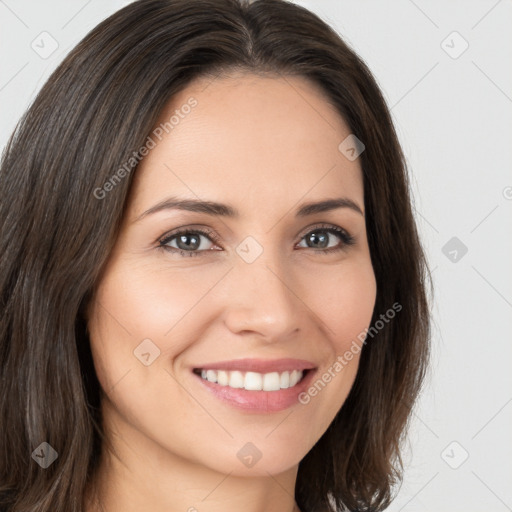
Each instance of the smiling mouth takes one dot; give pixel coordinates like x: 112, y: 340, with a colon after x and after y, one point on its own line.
x: 253, y: 381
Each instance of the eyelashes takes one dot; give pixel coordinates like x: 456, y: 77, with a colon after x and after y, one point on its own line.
x: 193, y: 237
x: 188, y: 233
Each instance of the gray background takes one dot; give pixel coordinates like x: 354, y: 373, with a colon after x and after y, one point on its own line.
x: 452, y: 110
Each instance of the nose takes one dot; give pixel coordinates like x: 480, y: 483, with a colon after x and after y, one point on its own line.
x: 263, y: 298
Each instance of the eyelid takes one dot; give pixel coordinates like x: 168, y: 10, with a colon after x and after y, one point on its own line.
x: 204, y: 231
x: 318, y: 226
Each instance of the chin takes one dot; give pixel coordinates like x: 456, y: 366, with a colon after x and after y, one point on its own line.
x: 256, y: 459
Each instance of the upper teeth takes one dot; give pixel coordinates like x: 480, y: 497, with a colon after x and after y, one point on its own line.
x: 253, y: 381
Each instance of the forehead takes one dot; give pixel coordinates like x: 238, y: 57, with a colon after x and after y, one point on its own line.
x: 248, y: 140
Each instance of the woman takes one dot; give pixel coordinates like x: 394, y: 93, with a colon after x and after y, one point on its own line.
x: 276, y: 369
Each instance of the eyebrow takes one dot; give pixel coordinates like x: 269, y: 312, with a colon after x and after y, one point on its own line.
x: 224, y: 210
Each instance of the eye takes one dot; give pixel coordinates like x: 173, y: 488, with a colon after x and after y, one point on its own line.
x: 320, y: 236
x: 188, y: 241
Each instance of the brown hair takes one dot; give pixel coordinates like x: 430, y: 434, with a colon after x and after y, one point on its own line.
x: 95, y: 110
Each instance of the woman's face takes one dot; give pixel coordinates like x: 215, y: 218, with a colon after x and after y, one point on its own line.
x: 270, y: 285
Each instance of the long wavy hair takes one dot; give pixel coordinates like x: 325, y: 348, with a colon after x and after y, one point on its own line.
x: 92, y: 114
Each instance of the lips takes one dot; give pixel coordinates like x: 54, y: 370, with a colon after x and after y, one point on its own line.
x: 259, y: 365
x: 257, y: 385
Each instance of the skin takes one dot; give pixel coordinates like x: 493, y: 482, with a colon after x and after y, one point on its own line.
x: 263, y: 145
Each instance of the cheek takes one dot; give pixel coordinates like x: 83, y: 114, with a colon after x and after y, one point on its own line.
x: 137, y: 302
x: 344, y: 298
x: 137, y: 311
